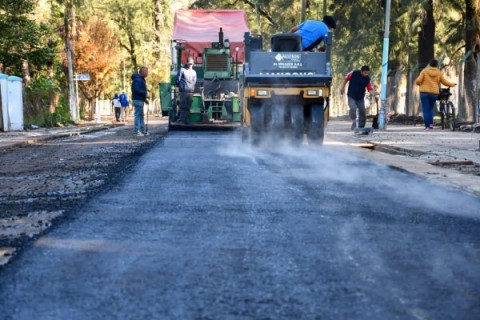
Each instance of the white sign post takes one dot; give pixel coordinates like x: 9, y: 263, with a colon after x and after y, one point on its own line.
x: 79, y: 77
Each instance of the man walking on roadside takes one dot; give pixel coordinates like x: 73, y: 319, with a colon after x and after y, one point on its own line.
x: 359, y: 81
x: 124, y: 105
x: 139, y: 98
x: 116, y: 106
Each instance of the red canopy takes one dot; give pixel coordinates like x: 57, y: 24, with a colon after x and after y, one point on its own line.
x: 199, y: 28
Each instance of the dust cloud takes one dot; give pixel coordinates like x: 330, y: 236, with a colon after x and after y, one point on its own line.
x: 399, y: 224
x: 343, y: 164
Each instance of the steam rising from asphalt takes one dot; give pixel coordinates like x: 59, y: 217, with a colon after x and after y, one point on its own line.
x: 304, y: 162
x: 368, y: 246
x: 344, y: 165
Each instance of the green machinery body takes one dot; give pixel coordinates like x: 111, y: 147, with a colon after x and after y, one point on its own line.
x: 216, y: 97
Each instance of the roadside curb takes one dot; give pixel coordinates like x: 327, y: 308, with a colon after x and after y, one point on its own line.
x: 24, y: 138
x: 394, y: 150
x: 388, y: 156
x: 29, y: 140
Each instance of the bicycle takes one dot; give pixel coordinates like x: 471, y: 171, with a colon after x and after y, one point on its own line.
x: 446, y: 109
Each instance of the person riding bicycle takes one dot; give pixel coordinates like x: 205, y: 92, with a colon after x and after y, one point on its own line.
x: 429, y: 81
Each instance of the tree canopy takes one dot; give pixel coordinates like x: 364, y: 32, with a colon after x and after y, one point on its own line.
x: 22, y: 38
x: 419, y: 31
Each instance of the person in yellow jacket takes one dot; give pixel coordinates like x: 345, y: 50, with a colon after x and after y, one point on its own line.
x: 429, y: 81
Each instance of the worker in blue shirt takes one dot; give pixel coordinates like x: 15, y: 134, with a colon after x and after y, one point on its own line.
x: 313, y: 32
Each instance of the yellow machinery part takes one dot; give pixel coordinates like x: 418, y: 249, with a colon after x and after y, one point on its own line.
x: 251, y: 93
x: 266, y: 92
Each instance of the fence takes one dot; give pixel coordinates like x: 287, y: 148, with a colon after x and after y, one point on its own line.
x: 104, y: 108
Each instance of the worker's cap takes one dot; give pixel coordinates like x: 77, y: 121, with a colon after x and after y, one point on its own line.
x: 190, y: 60
x: 329, y: 21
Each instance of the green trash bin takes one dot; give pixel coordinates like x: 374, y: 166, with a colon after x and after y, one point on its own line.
x: 166, y: 98
x: 196, y: 109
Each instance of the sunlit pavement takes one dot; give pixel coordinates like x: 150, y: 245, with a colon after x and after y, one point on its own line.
x: 412, y: 149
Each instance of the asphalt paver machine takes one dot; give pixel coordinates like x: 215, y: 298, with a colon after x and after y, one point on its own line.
x: 214, y: 38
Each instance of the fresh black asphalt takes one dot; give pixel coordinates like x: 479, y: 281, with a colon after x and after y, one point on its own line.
x: 204, y: 227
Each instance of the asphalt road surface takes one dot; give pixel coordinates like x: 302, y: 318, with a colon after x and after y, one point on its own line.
x: 205, y: 228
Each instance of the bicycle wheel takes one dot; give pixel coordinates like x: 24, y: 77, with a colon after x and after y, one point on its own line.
x: 451, y: 116
x: 442, y: 114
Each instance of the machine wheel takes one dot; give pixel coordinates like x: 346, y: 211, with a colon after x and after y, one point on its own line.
x: 245, y: 134
x: 451, y: 116
x: 257, y: 120
x: 317, y: 125
x: 277, y: 121
x: 170, y: 116
x: 442, y: 114
x: 297, y: 123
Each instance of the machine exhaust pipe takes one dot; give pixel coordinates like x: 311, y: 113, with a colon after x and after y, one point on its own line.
x: 220, y: 37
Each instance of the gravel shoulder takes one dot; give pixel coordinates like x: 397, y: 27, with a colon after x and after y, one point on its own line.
x: 44, y: 181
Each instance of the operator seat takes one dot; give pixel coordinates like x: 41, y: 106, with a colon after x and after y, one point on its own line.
x: 286, y: 42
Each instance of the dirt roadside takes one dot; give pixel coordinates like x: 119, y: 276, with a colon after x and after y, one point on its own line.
x: 44, y: 182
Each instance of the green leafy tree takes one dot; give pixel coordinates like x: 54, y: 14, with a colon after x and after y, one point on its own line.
x: 265, y: 17
x: 144, y: 30
x: 22, y: 38
x: 419, y: 31
x: 134, y: 20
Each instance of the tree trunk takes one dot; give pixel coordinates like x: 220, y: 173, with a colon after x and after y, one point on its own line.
x: 158, y: 25
x: 133, y: 55
x: 472, y: 44
x: 26, y: 73
x: 91, y: 107
x: 393, y: 85
x: 426, y: 36
x: 412, y: 104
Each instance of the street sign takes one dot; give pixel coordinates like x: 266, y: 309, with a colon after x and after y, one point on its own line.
x: 82, y: 77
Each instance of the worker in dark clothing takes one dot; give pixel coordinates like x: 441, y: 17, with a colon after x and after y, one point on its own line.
x: 187, y: 77
x: 313, y: 32
x: 359, y: 81
x: 139, y: 98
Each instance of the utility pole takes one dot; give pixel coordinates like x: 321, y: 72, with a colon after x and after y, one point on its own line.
x: 304, y: 8
x: 476, y: 112
x: 123, y: 75
x: 71, y: 87
x: 383, y: 90
x: 76, y: 89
